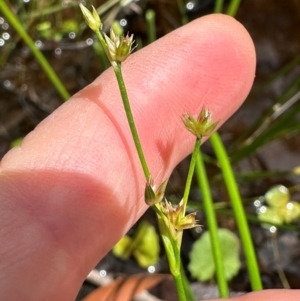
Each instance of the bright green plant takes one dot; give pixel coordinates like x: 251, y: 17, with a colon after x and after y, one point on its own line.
x: 172, y: 220
x: 202, y: 264
x: 280, y: 208
x: 48, y: 32
x: 143, y: 246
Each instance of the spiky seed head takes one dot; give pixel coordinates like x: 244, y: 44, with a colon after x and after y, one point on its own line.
x: 91, y: 19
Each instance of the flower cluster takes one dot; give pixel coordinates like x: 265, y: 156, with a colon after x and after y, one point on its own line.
x: 200, y: 126
x: 177, y: 217
x: 91, y: 19
x: 117, y: 48
x: 173, y: 216
x: 154, y: 195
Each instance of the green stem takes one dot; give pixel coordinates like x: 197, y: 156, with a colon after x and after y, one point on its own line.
x: 182, y: 10
x: 238, y: 208
x: 118, y: 72
x: 191, y: 173
x: 218, y: 6
x: 212, y: 225
x: 172, y: 251
x: 179, y: 287
x: 102, y: 42
x: 188, y: 292
x: 13, y: 20
x: 135, y: 136
x: 178, y: 277
x: 233, y: 7
x: 151, y: 30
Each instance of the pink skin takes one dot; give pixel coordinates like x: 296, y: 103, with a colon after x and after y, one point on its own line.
x: 75, y: 185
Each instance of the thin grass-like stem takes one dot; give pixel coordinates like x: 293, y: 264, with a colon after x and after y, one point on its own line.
x: 177, y: 276
x: 191, y: 172
x: 13, y: 20
x: 188, y: 292
x: 212, y: 225
x: 151, y: 28
x: 239, y: 212
x: 118, y: 72
x: 179, y: 287
x: 182, y: 10
x: 218, y: 6
x: 233, y: 7
x: 135, y: 136
x: 172, y: 248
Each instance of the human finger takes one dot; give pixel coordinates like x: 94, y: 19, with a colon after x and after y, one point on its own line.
x: 75, y: 185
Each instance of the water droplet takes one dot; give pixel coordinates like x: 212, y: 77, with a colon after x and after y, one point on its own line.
x: 151, y: 269
x: 123, y: 22
x: 289, y: 206
x: 102, y: 273
x: 57, y: 51
x: 7, y: 83
x: 24, y: 88
x: 38, y: 43
x: 257, y: 203
x: 273, y: 229
x: 1, y: 20
x: 6, y: 36
x: 276, y: 107
x: 262, y: 209
x: 72, y: 35
x: 283, y: 189
x: 26, y: 1
x: 89, y: 41
x: 2, y: 42
x: 5, y: 26
x: 190, y: 6
x: 198, y: 229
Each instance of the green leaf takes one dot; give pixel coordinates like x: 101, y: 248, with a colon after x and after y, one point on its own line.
x: 281, y: 209
x: 43, y: 26
x: 277, y: 196
x: 16, y: 142
x: 117, y: 28
x: 122, y: 249
x: 147, y: 252
x: 70, y: 25
x: 271, y: 216
x: 202, y: 265
x: 292, y: 212
x: 144, y: 246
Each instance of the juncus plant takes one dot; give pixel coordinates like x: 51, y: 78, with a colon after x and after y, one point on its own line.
x: 172, y: 219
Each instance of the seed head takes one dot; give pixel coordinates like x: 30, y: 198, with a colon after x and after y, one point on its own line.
x: 175, y: 215
x: 200, y: 126
x: 118, y: 47
x: 154, y: 195
x: 91, y: 19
